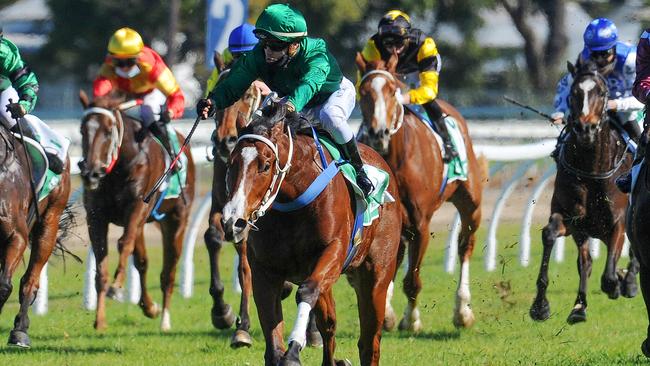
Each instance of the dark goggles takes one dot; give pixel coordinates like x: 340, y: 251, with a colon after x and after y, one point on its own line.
x: 274, y: 45
x: 393, y: 42
x: 603, y: 57
x: 124, y: 62
x: 392, y: 29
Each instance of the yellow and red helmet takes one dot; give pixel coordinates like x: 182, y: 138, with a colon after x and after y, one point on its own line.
x: 125, y: 43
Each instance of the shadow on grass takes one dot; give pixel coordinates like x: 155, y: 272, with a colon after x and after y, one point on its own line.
x: 59, y: 350
x: 441, y: 335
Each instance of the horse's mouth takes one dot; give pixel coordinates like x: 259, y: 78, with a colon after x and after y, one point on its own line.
x: 234, y: 230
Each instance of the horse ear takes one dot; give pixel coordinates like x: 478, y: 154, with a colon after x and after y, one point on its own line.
x: 571, y: 68
x: 241, y: 122
x: 392, y: 62
x: 361, y: 63
x: 83, y: 98
x: 218, y: 61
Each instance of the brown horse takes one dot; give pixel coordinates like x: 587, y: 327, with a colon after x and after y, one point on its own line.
x: 224, y: 139
x: 638, y: 230
x: 117, y: 172
x: 586, y: 202
x: 307, y: 246
x: 413, y: 153
x: 16, y: 231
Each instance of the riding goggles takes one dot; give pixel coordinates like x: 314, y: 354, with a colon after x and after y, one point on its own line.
x: 602, y: 57
x: 274, y: 45
x: 124, y: 62
x: 393, y: 29
x: 393, y: 42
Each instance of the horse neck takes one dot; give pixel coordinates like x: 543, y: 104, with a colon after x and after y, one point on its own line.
x: 601, y: 155
x: 303, y: 169
x: 129, y: 148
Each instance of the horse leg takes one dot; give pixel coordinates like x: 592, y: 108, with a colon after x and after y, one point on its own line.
x: 43, y: 241
x: 628, y: 282
x: 314, y: 338
x: 644, y: 277
x: 12, y: 254
x: 412, y: 283
x: 125, y: 246
x: 609, y: 282
x: 470, y: 214
x: 541, y: 310
x: 241, y: 337
x: 325, y: 319
x: 323, y: 276
x: 267, y: 289
x: 390, y: 319
x: 173, y: 231
x: 579, y: 311
x: 222, y: 314
x: 141, y: 262
x: 98, y: 231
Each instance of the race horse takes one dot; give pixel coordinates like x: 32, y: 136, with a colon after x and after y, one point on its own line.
x: 308, y: 246
x: 117, y: 172
x: 224, y: 139
x: 414, y: 153
x: 638, y: 230
x: 21, y: 225
x: 586, y: 202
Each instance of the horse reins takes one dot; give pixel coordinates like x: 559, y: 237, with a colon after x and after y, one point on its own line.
x: 398, y: 116
x: 278, y: 176
x: 117, y: 129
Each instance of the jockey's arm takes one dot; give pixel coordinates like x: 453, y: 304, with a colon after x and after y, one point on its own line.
x: 241, y: 76
x: 311, y: 81
x: 166, y: 83
x: 641, y: 89
x: 428, y: 60
x: 20, y: 75
x: 103, y: 84
x: 560, y: 103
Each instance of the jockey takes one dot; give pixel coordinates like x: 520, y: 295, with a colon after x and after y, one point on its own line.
x: 302, y: 71
x: 241, y: 39
x: 136, y: 69
x: 18, y: 98
x: 418, y: 63
x: 641, y: 91
x: 616, y: 62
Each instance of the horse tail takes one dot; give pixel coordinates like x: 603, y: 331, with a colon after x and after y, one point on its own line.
x: 67, y: 222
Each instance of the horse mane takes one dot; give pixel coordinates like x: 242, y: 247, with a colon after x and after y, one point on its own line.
x: 109, y: 101
x: 261, y: 124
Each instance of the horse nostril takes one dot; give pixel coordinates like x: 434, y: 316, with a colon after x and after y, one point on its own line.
x: 232, y: 139
x: 386, y: 132
x: 240, y: 224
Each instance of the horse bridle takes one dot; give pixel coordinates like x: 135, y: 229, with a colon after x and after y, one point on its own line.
x: 278, y: 176
x: 117, y: 129
x: 398, y: 116
x: 603, y: 116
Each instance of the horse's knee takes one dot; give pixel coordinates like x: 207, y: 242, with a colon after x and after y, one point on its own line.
x: 213, y: 238
x: 412, y: 286
x: 307, y: 292
x: 549, y: 234
x: 5, y: 290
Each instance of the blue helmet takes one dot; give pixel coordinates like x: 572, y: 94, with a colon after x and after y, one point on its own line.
x: 601, y: 34
x: 242, y: 39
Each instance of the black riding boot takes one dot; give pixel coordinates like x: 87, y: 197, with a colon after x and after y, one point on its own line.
x: 54, y: 162
x: 351, y: 153
x: 159, y: 130
x: 435, y: 113
x: 624, y: 181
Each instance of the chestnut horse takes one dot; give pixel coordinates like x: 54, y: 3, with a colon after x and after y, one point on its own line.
x: 638, y: 230
x: 307, y: 246
x: 17, y: 234
x: 586, y: 202
x: 224, y: 139
x: 117, y: 172
x: 413, y: 153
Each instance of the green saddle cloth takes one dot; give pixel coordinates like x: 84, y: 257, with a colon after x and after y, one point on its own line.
x: 178, y: 178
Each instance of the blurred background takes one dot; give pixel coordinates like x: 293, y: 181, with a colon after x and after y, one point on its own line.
x: 488, y: 47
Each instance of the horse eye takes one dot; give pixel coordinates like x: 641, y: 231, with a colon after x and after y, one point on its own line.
x: 266, y: 167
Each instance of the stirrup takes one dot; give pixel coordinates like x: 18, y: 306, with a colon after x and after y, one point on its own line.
x: 450, y: 153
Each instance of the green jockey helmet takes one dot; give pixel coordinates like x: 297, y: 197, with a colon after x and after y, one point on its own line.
x: 282, y: 22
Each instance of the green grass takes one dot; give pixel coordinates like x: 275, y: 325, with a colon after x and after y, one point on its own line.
x: 503, y: 333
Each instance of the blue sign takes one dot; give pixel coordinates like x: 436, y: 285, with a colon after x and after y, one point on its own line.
x: 223, y: 17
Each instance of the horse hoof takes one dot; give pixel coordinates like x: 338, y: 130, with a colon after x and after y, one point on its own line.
x: 540, y: 311
x: 241, y: 338
x: 151, y: 312
x: 344, y: 362
x: 407, y: 325
x: 644, y: 348
x: 287, y: 287
x: 18, y: 338
x: 390, y: 321
x: 577, y: 315
x: 465, y: 320
x: 224, y: 321
x: 629, y: 287
x: 611, y: 288
x: 314, y: 339
x: 291, y: 356
x: 115, y: 293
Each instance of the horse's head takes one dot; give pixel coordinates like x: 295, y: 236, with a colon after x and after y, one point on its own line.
x: 226, y: 133
x: 256, y: 169
x: 381, y: 108
x: 587, y: 102
x: 102, y: 130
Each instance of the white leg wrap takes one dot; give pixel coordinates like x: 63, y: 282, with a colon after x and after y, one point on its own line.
x: 300, y: 328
